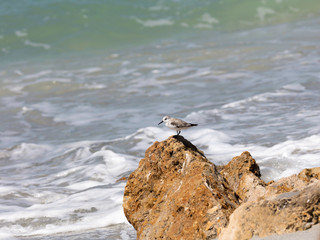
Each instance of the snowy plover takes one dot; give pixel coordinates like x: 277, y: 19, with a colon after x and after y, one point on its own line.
x: 176, y: 124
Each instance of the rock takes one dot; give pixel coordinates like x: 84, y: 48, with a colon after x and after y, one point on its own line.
x: 310, y: 173
x: 251, y: 188
x: 243, y: 176
x: 284, y: 185
x: 288, y: 212
x: 239, y: 165
x: 287, y: 205
x: 176, y: 193
x: 122, y: 179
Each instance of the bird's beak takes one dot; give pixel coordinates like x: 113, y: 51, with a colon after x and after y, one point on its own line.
x: 160, y: 122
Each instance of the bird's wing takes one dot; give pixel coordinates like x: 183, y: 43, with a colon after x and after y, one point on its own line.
x: 179, y: 123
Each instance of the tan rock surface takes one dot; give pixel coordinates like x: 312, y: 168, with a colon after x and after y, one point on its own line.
x: 243, y: 176
x: 176, y: 193
x: 288, y: 212
x: 309, y: 174
x: 287, y: 205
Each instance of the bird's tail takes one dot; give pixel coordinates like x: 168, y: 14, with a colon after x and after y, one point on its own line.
x: 192, y: 124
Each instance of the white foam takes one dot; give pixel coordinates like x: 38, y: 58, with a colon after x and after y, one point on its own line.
x: 176, y: 71
x: 262, y: 12
x: 27, y: 151
x: 206, y: 17
x: 289, y: 90
x: 203, y: 26
x: 242, y: 103
x: 93, y: 208
x: 286, y: 55
x: 159, y: 8
x: 115, y: 55
x: 36, y: 75
x: 7, y: 189
x: 155, y: 23
x: 234, y: 75
x: 294, y: 87
x: 33, y: 84
x: 95, y: 86
x: 34, y: 44
x: 158, y: 65
x: 26, y: 109
x: 82, y: 195
x: 7, y: 236
x: 117, y: 163
x: 197, y: 117
x: 216, y: 145
x: 90, y: 70
x: 146, y: 136
x: 74, y: 115
x: 184, y: 24
x: 21, y: 33
x: 289, y: 157
x: 124, y: 235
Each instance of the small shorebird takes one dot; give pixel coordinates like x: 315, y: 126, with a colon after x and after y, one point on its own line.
x: 176, y: 124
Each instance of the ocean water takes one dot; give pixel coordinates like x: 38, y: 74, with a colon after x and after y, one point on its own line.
x: 84, y: 84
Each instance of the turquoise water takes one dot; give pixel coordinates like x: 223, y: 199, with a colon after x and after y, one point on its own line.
x: 47, y: 28
x: 85, y: 83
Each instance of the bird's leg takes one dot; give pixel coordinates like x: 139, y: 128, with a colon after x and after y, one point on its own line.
x: 178, y: 132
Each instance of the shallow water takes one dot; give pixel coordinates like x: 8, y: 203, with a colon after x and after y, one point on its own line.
x: 77, y: 116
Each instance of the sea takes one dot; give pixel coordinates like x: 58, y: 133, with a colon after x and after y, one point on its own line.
x: 84, y: 84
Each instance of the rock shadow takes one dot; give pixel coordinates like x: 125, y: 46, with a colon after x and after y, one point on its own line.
x: 188, y: 144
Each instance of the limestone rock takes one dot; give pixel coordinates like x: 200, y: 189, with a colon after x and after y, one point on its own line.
x: 288, y: 212
x: 243, y: 176
x: 309, y: 174
x: 285, y: 185
x: 287, y: 205
x: 176, y: 193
